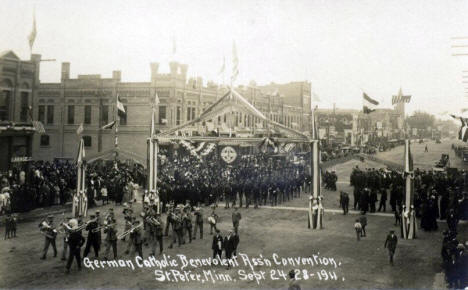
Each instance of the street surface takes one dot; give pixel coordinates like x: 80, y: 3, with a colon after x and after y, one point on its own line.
x: 265, y: 231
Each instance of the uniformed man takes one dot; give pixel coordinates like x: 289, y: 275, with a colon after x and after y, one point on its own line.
x: 156, y: 234
x: 111, y: 236
x: 390, y: 244
x: 136, y: 238
x: 236, y: 217
x: 92, y: 239
x: 67, y: 230
x: 176, y: 228
x: 129, y: 218
x: 75, y: 241
x: 48, y: 230
x: 198, y: 222
x: 187, y: 222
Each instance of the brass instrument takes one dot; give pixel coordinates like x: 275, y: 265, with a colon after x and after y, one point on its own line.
x: 126, y: 233
x: 153, y: 221
x: 48, y: 230
x: 84, y: 225
x: 104, y: 226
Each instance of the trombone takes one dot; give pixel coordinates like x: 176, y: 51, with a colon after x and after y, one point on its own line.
x: 104, y: 226
x: 126, y: 233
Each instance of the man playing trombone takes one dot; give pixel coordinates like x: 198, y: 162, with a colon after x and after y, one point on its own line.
x: 93, y: 239
x: 75, y: 242
x: 111, y: 235
x: 48, y: 230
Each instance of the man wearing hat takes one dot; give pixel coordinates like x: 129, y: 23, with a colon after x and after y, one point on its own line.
x: 92, y: 240
x: 390, y: 244
x: 236, y: 217
x: 75, y: 242
x: 50, y: 233
x: 136, y: 238
x: 156, y: 234
x: 111, y: 235
x: 198, y: 222
x: 66, y: 237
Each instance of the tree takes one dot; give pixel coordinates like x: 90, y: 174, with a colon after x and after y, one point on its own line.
x: 421, y: 120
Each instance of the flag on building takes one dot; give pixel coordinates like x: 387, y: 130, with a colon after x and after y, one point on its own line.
x: 400, y: 98
x: 120, y: 107
x: 156, y: 100
x: 368, y: 104
x: 80, y: 129
x: 109, y: 126
x: 235, y: 63
x: 463, y: 132
x: 32, y: 35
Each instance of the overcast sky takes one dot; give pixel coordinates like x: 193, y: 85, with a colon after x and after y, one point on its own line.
x: 341, y: 46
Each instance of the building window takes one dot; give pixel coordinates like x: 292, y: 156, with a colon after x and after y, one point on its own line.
x: 45, y: 139
x: 50, y: 114
x: 24, y: 107
x: 71, y: 115
x: 87, y: 141
x: 178, y: 115
x: 105, y: 115
x: 123, y: 117
x: 41, y: 114
x: 4, y: 105
x: 162, y: 115
x: 87, y: 114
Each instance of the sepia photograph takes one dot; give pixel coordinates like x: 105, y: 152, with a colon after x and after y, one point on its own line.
x: 250, y: 144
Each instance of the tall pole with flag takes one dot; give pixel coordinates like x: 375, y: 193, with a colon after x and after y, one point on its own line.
x: 408, y: 223
x: 80, y: 201
x: 315, y: 199
x: 152, y: 159
x: 235, y: 72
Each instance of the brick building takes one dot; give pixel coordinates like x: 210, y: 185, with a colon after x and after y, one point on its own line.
x: 90, y: 99
x: 19, y: 80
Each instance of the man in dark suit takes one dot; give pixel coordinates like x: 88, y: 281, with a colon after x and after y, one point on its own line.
x: 390, y: 244
x: 236, y: 217
x: 229, y: 245
x: 75, y: 242
x: 93, y: 238
x: 136, y: 238
x: 217, y: 245
x: 344, y: 202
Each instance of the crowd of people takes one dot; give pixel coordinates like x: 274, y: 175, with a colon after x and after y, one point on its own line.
x: 437, y: 195
x: 252, y: 181
x: 42, y: 184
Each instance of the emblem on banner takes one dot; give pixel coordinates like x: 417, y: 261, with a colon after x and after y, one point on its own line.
x: 228, y: 154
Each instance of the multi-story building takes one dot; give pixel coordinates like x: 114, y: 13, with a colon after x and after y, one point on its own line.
x: 18, y: 82
x: 90, y: 100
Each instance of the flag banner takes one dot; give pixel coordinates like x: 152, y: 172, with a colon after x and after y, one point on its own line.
x: 120, y: 106
x: 33, y: 34
x: 108, y: 126
x: 208, y: 149
x: 315, y: 133
x: 223, y: 67
x: 39, y: 127
x: 80, y: 129
x: 369, y: 104
x: 400, y: 98
x: 235, y: 63
x: 156, y: 99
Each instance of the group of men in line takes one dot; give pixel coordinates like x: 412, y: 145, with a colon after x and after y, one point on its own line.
x: 146, y: 230
x: 257, y: 180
